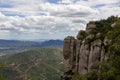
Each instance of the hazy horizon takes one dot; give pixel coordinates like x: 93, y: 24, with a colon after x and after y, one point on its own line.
x: 31, y: 39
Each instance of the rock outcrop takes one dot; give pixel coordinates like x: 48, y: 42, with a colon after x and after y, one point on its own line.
x: 85, y: 53
x: 69, y: 51
x: 95, y: 52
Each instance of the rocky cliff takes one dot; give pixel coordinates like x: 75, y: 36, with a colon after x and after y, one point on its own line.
x: 89, y: 49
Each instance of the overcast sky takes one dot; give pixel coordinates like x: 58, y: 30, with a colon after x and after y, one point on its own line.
x: 51, y: 19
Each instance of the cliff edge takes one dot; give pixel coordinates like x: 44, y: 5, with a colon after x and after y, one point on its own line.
x: 92, y: 48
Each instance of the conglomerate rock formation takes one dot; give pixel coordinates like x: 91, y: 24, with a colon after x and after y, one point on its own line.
x: 85, y: 53
x: 95, y: 52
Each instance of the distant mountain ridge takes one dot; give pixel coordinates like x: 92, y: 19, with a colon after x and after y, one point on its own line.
x: 21, y: 45
x: 52, y: 43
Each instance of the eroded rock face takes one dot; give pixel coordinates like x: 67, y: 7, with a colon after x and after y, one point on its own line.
x: 69, y: 52
x: 90, y: 27
x: 85, y: 53
x: 83, y: 58
x: 93, y: 51
x: 113, y: 25
x: 95, y: 55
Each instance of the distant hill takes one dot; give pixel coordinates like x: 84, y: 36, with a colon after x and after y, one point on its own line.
x: 35, y: 64
x: 52, y: 43
x: 9, y: 45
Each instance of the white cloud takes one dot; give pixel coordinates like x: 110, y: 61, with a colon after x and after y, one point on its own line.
x: 39, y: 17
x: 106, y: 8
x: 71, y: 10
x: 4, y: 31
x: 60, y: 17
x: 65, y: 1
x: 96, y: 2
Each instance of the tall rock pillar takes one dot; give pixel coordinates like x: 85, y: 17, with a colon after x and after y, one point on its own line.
x: 69, y: 52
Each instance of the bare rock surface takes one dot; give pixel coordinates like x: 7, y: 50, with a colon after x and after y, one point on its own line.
x: 85, y: 53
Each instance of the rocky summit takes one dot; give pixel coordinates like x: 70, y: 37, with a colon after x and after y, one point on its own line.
x: 91, y: 49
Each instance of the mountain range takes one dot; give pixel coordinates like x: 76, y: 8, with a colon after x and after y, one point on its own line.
x: 8, y: 46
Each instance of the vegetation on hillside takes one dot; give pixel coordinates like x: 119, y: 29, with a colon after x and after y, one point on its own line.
x: 35, y: 64
x: 1, y: 68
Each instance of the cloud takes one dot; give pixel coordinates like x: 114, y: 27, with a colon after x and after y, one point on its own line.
x: 96, y: 2
x: 62, y: 10
x: 41, y: 18
x: 65, y: 1
x: 106, y: 8
x: 59, y: 17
